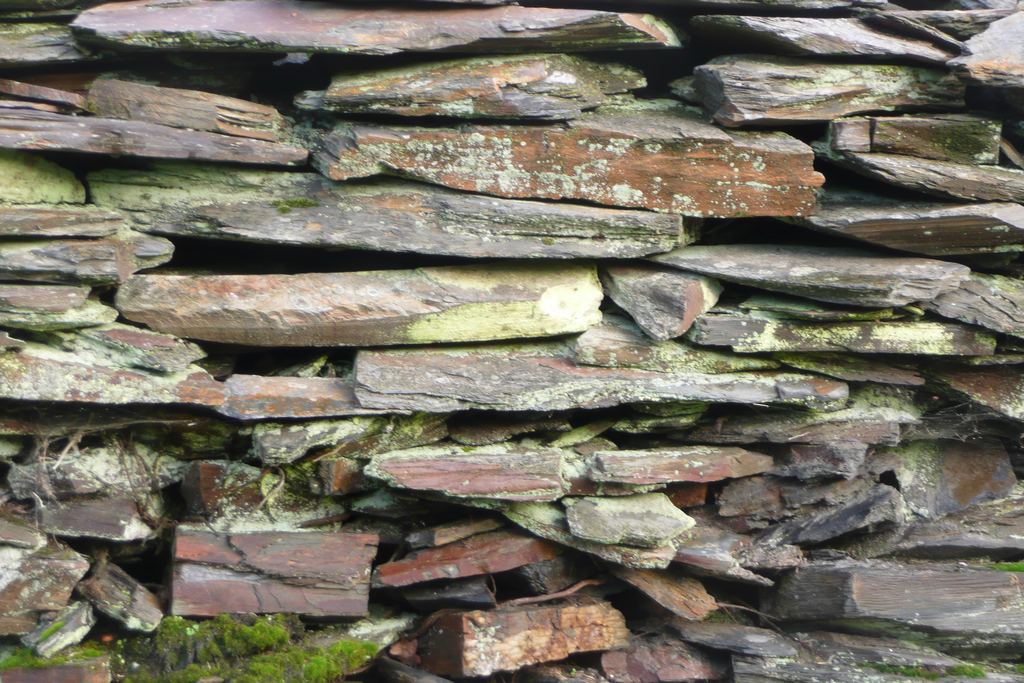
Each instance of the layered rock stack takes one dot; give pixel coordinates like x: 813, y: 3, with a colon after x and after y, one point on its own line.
x: 551, y: 343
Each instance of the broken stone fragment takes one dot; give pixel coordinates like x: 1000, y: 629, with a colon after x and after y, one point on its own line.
x: 817, y: 36
x: 938, y: 478
x: 480, y: 643
x: 132, y: 347
x: 662, y: 657
x: 472, y: 593
x: 758, y: 90
x: 104, y: 261
x: 62, y: 630
x: 852, y: 368
x: 932, y: 176
x: 874, y: 416
x: 41, y: 373
x: 487, y: 553
x: 257, y: 397
x: 115, y: 593
x: 45, y: 220
x: 997, y: 388
x: 759, y: 333
x: 684, y: 596
x: 38, y: 44
x: 879, y: 507
x: 499, y: 472
x: 547, y: 87
x: 357, y: 437
x: 992, y: 301
x: 31, y: 179
x: 273, y: 26
x: 34, y: 581
x: 422, y: 306
x: 647, y: 520
x: 46, y: 131
x: 617, y: 343
x: 962, y: 138
x: 662, y: 302
x: 929, y: 228
x: 835, y: 275
x: 821, y: 461
x: 44, y: 308
x: 306, y: 209
x: 548, y: 520
x: 450, y: 532
x: 738, y: 638
x: 657, y: 156
x: 959, y: 608
x: 682, y: 463
x: 539, y: 377
x: 307, y: 573
x: 180, y: 108
x: 995, y: 57
x: 231, y: 496
x: 118, y: 518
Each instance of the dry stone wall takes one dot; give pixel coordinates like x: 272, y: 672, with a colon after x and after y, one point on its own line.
x: 551, y: 341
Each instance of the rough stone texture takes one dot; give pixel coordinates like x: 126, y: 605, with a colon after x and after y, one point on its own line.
x: 663, y: 302
x: 683, y: 463
x: 47, y: 220
x: 836, y: 275
x: 765, y: 91
x: 42, y: 308
x: 36, y: 44
x: 309, y: 573
x: 684, y: 596
x: 30, y: 179
x: 180, y: 108
x: 613, y: 156
x: 961, y: 138
x: 116, y: 594
x: 274, y: 26
x: 487, y: 553
x: 992, y: 301
x: 754, y: 333
x: 661, y: 658
x: 106, y: 261
x: 304, y: 209
x: 63, y: 629
x: 501, y: 472
x: 999, y: 389
x: 544, y: 377
x: 481, y: 643
x: 852, y: 368
x: 545, y: 87
x: 929, y: 228
x: 738, y: 638
x: 648, y: 520
x: 30, y: 130
x: 254, y: 397
x: 995, y: 57
x: 427, y: 305
x: 824, y: 37
x: 33, y: 581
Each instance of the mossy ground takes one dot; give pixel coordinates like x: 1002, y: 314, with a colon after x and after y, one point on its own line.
x: 24, y: 658
x: 265, y: 649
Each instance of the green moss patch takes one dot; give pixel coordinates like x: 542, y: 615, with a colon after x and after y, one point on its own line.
x: 24, y: 658
x: 286, y: 205
x: 1007, y: 566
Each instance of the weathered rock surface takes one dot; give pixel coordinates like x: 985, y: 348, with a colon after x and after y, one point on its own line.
x: 836, y: 275
x: 683, y: 463
x: 663, y: 302
x: 852, y: 368
x: 47, y: 220
x: 428, y: 305
x: 660, y: 657
x: 180, y: 108
x: 647, y: 520
x: 754, y: 333
x: 544, y: 377
x: 501, y: 472
x: 757, y: 90
x: 825, y: 37
x: 995, y: 57
x: 738, y: 638
x: 961, y: 138
x: 604, y: 157
x: 994, y: 387
x: 30, y: 179
x: 992, y: 301
x: 519, y: 636
x: 684, y: 596
x: 546, y: 87
x: 41, y: 307
x: 487, y: 553
x: 103, y: 261
x: 33, y: 581
x: 309, y: 573
x: 929, y: 228
x: 45, y: 131
x: 301, y: 209
x: 116, y: 594
x: 36, y: 44
x: 265, y: 26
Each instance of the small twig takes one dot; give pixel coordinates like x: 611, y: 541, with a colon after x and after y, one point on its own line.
x: 534, y: 599
x: 276, y: 489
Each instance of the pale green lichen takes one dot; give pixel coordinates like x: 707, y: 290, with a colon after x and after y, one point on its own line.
x: 29, y: 179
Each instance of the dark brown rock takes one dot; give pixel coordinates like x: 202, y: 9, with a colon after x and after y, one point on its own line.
x: 658, y: 658
x: 116, y: 594
x: 996, y: 388
x: 431, y: 537
x: 308, y: 573
x: 266, y: 26
x: 684, y: 596
x: 601, y: 157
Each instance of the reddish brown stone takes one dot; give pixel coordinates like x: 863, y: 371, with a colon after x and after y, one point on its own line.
x: 468, y: 644
x: 684, y: 596
x: 660, y: 658
x: 443, y: 534
x: 254, y: 397
x: 682, y: 463
x: 307, y: 573
x: 35, y: 581
x: 488, y: 553
x: 667, y: 159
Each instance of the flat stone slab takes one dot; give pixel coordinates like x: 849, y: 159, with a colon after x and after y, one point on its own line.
x: 323, y: 27
x: 682, y: 463
x: 992, y: 301
x: 663, y: 302
x: 423, y: 306
x: 647, y: 520
x: 995, y: 57
x: 658, y: 157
